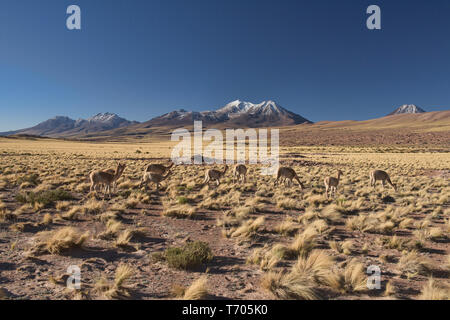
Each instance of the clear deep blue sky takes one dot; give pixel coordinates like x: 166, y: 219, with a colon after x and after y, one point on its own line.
x: 142, y: 58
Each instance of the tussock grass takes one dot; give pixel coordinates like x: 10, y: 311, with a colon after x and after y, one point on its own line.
x: 247, y: 229
x: 47, y: 219
x: 396, y: 243
x: 198, y: 290
x: 390, y: 289
x: 180, y: 211
x: 6, y: 215
x: 286, y: 228
x: 289, y: 286
x: 112, y: 229
x: 330, y: 214
x: 63, y: 205
x: 267, y: 259
x: 347, y: 247
x: 60, y: 241
x: 303, y: 244
x: 116, y: 289
x: 336, y: 246
x: 434, y: 291
x: 412, y: 264
x: 289, y: 204
x: 352, y: 279
x: 316, y: 266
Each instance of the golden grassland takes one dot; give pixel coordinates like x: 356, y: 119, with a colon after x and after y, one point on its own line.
x: 251, y: 240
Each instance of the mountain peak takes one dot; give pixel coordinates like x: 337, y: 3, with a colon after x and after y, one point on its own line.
x: 237, y: 113
x: 104, y: 117
x: 407, y: 108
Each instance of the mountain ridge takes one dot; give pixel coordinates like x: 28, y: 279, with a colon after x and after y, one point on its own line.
x: 63, y: 126
x: 236, y: 113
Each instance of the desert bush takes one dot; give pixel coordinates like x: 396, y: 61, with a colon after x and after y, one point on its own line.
x: 31, y: 179
x: 45, y: 198
x: 189, y: 256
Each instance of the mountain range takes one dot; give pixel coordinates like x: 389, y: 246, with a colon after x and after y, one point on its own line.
x: 236, y: 114
x: 66, y: 127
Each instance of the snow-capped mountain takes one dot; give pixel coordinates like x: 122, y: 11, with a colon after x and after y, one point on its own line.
x: 407, y: 108
x: 65, y: 127
x: 234, y: 114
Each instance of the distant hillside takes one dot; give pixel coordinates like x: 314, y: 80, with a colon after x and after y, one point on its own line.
x: 66, y: 127
x: 430, y: 128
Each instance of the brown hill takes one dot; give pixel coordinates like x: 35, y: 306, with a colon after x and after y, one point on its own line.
x: 431, y: 128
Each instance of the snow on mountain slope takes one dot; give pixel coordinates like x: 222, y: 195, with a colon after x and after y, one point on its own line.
x: 236, y: 113
x: 65, y: 127
x: 407, y: 108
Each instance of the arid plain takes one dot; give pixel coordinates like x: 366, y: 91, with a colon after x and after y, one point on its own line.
x: 248, y: 240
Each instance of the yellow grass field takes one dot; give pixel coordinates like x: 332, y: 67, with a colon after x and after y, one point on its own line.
x: 249, y: 240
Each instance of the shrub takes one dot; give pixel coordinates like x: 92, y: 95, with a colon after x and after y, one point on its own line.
x: 190, y: 256
x: 32, y: 179
x: 182, y: 200
x: 45, y: 198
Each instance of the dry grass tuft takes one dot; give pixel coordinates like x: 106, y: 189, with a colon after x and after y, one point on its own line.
x: 412, y: 264
x: 117, y: 288
x: 350, y: 280
x: 434, y: 291
x: 60, y: 241
x: 180, y: 211
x: 197, y: 290
x: 289, y: 286
x: 315, y: 267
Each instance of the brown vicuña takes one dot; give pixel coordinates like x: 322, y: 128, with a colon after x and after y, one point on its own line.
x: 240, y: 173
x: 331, y: 183
x: 288, y: 174
x: 215, y: 175
x: 381, y: 175
x: 158, y: 168
x: 106, y: 178
x: 153, y: 177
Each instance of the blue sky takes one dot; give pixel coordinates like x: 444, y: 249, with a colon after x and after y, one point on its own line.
x: 142, y: 58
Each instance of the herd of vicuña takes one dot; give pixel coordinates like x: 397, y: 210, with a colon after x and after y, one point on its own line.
x: 156, y: 173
